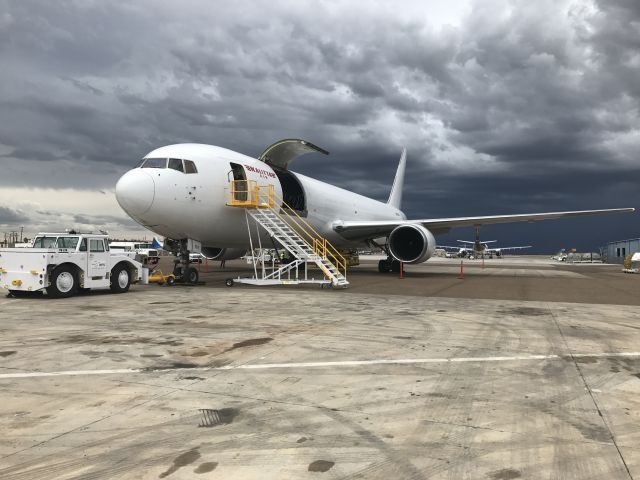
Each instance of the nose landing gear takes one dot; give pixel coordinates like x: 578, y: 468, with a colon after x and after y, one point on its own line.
x: 182, y: 268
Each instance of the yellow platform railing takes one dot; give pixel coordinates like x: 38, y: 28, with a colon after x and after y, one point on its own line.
x: 249, y: 194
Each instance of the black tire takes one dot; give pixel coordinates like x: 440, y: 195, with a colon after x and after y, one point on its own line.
x: 171, y: 281
x: 229, y: 282
x: 383, y: 266
x: 120, y: 279
x: 192, y: 276
x: 64, y: 283
x: 395, y: 266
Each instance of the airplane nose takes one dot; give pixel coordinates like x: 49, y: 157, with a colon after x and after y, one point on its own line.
x: 135, y: 191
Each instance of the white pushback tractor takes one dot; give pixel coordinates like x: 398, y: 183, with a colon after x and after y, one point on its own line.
x: 64, y: 263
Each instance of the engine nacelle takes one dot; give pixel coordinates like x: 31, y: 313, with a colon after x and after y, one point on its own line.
x: 215, y: 253
x: 411, y: 243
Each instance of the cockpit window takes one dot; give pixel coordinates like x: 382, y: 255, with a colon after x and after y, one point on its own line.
x: 155, y: 163
x: 190, y: 167
x: 176, y: 164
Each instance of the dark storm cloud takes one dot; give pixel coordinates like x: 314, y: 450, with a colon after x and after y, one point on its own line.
x: 103, y: 220
x: 521, y: 106
x: 8, y: 216
x: 35, y: 220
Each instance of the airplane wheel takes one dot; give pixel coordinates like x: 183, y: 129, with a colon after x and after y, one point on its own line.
x: 383, y: 266
x: 229, y: 282
x: 395, y: 266
x: 192, y: 275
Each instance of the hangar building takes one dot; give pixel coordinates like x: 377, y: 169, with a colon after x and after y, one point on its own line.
x: 614, y: 252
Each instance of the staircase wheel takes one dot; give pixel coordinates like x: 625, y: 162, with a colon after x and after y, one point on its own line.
x: 229, y: 282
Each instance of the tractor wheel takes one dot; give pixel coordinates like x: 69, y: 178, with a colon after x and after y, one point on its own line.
x: 63, y: 283
x: 120, y: 279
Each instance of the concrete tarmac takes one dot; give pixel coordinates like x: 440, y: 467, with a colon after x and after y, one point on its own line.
x: 269, y: 383
x: 508, y: 278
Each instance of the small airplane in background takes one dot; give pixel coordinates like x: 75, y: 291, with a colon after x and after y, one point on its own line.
x: 186, y: 193
x: 479, y: 248
x: 484, y: 250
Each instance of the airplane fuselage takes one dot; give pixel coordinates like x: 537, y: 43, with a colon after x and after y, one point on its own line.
x: 185, y: 204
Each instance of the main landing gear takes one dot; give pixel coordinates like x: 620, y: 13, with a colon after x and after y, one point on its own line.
x: 389, y: 265
x: 182, y: 268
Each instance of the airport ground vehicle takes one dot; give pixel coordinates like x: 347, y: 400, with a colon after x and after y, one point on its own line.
x: 156, y: 276
x: 144, y: 250
x: 196, y: 258
x: 64, y: 263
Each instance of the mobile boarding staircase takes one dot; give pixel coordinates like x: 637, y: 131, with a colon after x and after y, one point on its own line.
x: 292, y: 232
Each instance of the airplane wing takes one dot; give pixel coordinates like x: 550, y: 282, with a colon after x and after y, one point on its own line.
x: 452, y: 248
x: 499, y: 249
x: 470, y: 242
x: 362, y: 230
x: 283, y: 152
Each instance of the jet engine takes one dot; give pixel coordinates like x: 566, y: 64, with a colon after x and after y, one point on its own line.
x: 411, y: 243
x: 215, y: 253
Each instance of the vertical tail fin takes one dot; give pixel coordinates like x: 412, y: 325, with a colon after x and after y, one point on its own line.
x: 156, y: 244
x: 395, y: 197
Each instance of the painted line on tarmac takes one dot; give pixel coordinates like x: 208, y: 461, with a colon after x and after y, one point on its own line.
x: 346, y: 363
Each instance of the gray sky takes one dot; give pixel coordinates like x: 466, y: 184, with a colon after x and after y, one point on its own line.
x: 504, y: 106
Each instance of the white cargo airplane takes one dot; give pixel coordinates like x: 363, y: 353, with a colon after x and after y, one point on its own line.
x: 181, y: 192
x: 479, y: 248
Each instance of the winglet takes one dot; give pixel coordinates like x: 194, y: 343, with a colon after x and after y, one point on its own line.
x: 395, y: 197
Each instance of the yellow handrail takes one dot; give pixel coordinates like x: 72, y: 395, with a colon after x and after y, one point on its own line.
x: 313, y: 242
x: 247, y: 193
x: 250, y: 194
x: 320, y: 243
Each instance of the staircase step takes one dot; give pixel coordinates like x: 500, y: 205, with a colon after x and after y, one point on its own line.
x: 295, y: 244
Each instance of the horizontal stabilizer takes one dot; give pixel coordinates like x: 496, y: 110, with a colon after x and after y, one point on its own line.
x: 482, y: 241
